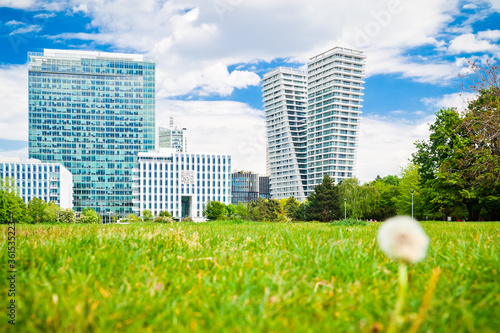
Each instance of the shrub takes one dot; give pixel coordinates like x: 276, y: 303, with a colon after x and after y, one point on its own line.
x: 147, y: 216
x: 67, y: 215
x: 187, y: 219
x: 163, y: 219
x: 215, y: 210
x: 132, y: 218
x: 87, y: 219
x: 164, y: 213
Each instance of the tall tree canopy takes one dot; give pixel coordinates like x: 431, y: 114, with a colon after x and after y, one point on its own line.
x: 324, y: 201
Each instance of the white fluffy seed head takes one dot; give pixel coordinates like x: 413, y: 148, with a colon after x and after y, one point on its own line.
x: 403, y: 238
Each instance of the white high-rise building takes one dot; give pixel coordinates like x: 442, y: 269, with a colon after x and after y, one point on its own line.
x: 326, y: 100
x: 334, y: 88
x: 285, y: 97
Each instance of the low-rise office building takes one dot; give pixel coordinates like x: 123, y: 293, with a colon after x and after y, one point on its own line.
x: 47, y: 181
x: 180, y: 183
x: 245, y: 187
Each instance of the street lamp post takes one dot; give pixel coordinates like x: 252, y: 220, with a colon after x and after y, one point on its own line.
x: 345, y: 209
x: 412, y: 203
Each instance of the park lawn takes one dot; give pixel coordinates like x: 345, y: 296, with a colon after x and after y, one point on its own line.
x: 244, y: 277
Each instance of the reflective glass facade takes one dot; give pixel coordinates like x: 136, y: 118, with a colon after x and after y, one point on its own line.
x: 245, y: 187
x: 92, y: 112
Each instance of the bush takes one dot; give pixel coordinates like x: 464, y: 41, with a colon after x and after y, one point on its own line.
x: 132, y: 218
x: 349, y: 223
x: 215, y: 210
x: 87, y: 219
x: 163, y: 219
x: 147, y: 216
x: 187, y: 219
x: 67, y: 215
x: 164, y: 213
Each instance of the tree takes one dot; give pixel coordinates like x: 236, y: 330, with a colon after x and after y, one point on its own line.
x: 230, y: 210
x: 441, y: 168
x: 38, y: 211
x: 215, y: 210
x: 257, y: 209
x: 386, y: 191
x: 147, y: 216
x: 53, y: 212
x: 482, y: 123
x: 241, y: 211
x: 10, y: 201
x: 324, y: 201
x: 67, y: 215
x: 359, y: 199
x: 272, y: 210
x: 292, y: 209
x: 89, y: 215
x: 410, y: 181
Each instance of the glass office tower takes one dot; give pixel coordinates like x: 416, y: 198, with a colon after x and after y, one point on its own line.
x: 92, y: 112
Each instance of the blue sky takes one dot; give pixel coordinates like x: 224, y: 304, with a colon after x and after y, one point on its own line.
x: 211, y: 56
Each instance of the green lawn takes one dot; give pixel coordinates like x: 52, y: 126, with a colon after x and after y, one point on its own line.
x: 245, y: 277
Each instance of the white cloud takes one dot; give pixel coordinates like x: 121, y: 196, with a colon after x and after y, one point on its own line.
x: 492, y: 35
x: 470, y: 6
x: 22, y: 153
x: 44, y: 15
x: 386, y: 145
x: 470, y: 43
x: 19, y: 4
x: 14, y: 23
x: 456, y: 100
x: 14, y: 102
x: 188, y: 40
x: 24, y: 30
x: 223, y: 127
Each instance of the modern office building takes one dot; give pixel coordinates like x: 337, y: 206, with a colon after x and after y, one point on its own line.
x: 285, y: 97
x: 335, y: 90
x: 47, y: 181
x: 180, y: 183
x: 264, y: 187
x: 172, y: 137
x: 92, y: 112
x: 245, y: 187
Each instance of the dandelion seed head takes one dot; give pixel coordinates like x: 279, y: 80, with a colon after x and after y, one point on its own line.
x: 403, y: 238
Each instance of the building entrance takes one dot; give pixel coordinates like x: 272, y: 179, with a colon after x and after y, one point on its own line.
x: 185, y: 207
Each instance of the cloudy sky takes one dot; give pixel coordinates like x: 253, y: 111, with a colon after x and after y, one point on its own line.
x: 211, y: 55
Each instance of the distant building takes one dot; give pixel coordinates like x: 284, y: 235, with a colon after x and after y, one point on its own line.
x: 180, y: 183
x: 47, y: 181
x: 312, y: 120
x: 335, y: 89
x: 172, y: 137
x: 284, y: 92
x: 264, y: 187
x: 245, y: 187
x: 92, y: 112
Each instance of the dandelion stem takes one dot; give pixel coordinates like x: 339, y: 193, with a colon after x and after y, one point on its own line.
x: 403, y: 284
